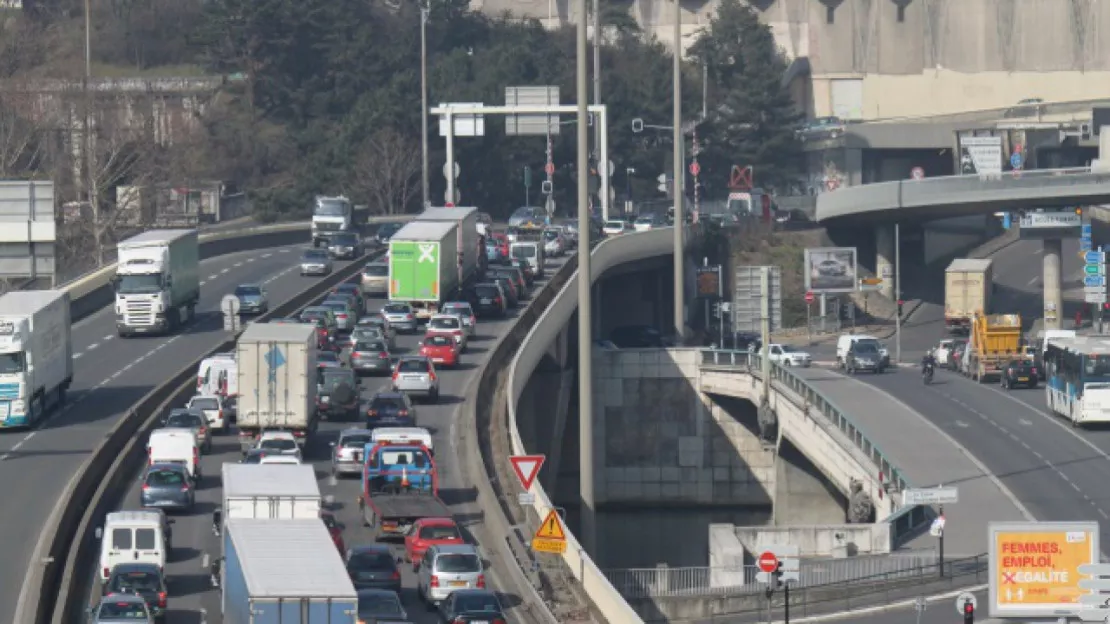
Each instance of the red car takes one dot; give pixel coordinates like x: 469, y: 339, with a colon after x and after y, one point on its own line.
x: 441, y: 349
x: 502, y: 242
x: 336, y: 531
x: 428, y: 532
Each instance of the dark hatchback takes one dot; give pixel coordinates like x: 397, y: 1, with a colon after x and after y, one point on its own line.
x: 1020, y: 374
x: 374, y: 567
x: 337, y: 393
x: 143, y: 579
x: 389, y: 409
x: 381, y: 606
x: 489, y: 300
x: 167, y: 486
x: 472, y: 605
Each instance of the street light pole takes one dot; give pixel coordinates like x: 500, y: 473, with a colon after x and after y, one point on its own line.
x: 588, y: 522
x: 425, y: 9
x: 597, y: 77
x: 679, y: 177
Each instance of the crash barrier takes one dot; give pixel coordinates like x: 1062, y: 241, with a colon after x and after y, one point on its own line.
x: 92, y: 291
x: 906, y: 521
x: 608, y: 254
x: 66, y: 551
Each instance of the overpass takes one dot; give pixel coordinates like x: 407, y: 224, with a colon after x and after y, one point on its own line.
x: 807, y: 416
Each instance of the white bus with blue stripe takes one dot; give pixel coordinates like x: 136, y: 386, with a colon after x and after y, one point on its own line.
x: 1077, y: 378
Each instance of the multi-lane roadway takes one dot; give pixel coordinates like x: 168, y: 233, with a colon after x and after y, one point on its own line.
x: 193, y: 600
x: 110, y: 375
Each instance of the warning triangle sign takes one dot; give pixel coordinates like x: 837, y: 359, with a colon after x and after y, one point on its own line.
x: 552, y: 527
x: 527, y: 468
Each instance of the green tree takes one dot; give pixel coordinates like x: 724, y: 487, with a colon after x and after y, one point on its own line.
x: 752, y: 119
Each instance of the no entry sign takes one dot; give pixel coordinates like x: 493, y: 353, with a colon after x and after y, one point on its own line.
x: 768, y: 562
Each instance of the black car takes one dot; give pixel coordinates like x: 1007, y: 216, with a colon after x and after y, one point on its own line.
x: 489, y: 300
x: 472, y: 605
x: 390, y: 409
x: 386, y: 231
x: 380, y: 606
x: 337, y: 393
x: 345, y: 246
x: 864, y: 357
x: 374, y: 567
x: 636, y: 337
x: 1020, y: 374
x: 144, y: 579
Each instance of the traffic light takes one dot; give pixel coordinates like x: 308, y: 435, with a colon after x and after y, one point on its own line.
x: 900, y: 304
x: 969, y: 613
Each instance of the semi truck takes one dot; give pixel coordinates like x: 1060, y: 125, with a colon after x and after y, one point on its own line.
x: 157, y: 282
x: 968, y: 285
x: 275, y: 491
x: 425, y: 266
x: 276, y: 365
x: 284, y: 572
x: 36, y: 355
x: 995, y: 340
x: 471, y: 240
x: 330, y: 216
x: 400, y: 485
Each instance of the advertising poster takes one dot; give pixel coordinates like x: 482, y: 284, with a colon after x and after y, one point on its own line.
x: 1034, y: 567
x: 980, y: 155
x: 830, y: 269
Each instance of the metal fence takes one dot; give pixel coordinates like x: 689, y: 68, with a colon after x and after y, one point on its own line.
x: 663, y: 580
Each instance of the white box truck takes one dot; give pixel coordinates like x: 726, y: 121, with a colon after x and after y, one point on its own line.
x: 968, y: 284
x: 471, y: 240
x: 36, y: 355
x: 157, y: 281
x: 424, y: 266
x: 279, y: 491
x: 277, y: 381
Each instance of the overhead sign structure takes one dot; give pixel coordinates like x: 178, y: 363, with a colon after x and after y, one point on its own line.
x: 930, y: 496
x: 550, y: 537
x: 1035, y: 567
x: 527, y: 468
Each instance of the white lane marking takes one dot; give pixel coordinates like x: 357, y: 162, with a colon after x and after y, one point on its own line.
x: 203, y: 282
x: 251, y: 259
x: 108, y: 336
x: 267, y: 255
x: 961, y: 424
x: 92, y: 346
x: 16, y: 446
x: 224, y: 271
x: 238, y: 264
x: 77, y: 355
x: 1032, y: 281
x: 212, y: 277
x: 284, y: 250
x: 4, y: 456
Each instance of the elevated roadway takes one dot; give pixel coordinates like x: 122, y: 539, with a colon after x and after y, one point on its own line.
x: 192, y: 599
x: 954, y: 196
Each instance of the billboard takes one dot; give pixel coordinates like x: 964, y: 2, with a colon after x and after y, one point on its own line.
x: 1034, y: 567
x: 830, y: 269
x: 980, y: 155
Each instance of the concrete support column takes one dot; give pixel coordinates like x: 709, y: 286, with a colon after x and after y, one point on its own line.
x: 884, y: 258
x: 1053, y: 291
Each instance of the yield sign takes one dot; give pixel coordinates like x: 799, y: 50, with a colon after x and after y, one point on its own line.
x: 527, y: 467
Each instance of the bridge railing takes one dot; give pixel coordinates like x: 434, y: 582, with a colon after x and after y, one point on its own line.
x: 908, y: 519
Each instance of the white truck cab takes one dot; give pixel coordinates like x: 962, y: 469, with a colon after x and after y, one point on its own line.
x: 330, y: 216
x: 36, y: 355
x: 157, y: 281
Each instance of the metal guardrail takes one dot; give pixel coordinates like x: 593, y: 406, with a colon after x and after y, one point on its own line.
x: 907, y: 520
x: 717, y: 581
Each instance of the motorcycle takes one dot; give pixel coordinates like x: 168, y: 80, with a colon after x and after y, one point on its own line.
x: 927, y: 374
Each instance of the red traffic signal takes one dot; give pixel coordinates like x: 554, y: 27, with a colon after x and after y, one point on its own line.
x: 969, y: 613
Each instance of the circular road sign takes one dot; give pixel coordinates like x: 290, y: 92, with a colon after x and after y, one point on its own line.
x: 448, y: 204
x: 695, y: 169
x: 917, y: 173
x: 965, y: 598
x: 229, y: 304
x: 809, y: 297
x: 549, y: 168
x: 768, y: 562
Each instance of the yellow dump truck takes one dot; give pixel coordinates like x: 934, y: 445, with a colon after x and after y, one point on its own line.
x: 995, y: 340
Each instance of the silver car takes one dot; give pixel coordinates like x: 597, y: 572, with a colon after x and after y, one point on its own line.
x: 375, y: 279
x: 345, y: 315
x: 193, y: 420
x: 253, y: 299
x: 454, y: 566
x: 401, y: 316
x: 315, y: 262
x: 370, y: 333
x: 371, y: 356
x: 346, y: 457
x: 416, y: 376
x: 120, y: 609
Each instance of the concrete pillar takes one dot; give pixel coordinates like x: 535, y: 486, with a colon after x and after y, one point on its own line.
x: 1053, y: 292
x: 884, y: 258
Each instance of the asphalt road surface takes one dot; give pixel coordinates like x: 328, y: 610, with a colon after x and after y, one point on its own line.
x: 192, y: 600
x: 110, y: 375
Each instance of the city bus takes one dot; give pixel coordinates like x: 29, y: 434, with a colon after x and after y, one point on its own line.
x: 1077, y: 378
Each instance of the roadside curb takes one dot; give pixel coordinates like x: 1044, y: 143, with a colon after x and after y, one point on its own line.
x: 894, y: 606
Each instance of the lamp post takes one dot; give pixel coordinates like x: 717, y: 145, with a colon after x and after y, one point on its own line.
x: 425, y: 9
x: 679, y: 177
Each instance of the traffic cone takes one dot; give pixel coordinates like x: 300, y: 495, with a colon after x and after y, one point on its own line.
x: 405, y: 477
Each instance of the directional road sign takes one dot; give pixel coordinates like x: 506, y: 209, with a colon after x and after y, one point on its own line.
x: 1093, y: 269
x: 550, y: 537
x: 1094, y: 257
x: 527, y: 467
x: 930, y: 496
x: 1085, y: 229
x: 1094, y: 280
x: 1084, y: 244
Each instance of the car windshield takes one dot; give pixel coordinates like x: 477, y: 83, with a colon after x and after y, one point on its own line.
x: 344, y: 239
x: 615, y: 225
x: 313, y: 254
x: 248, y: 291
x: 457, y: 308
x: 550, y: 235
x: 369, y: 346
x: 135, y: 582
x: 866, y: 349
x: 486, y: 291
x: 331, y: 207
x: 326, y: 356
x: 331, y: 378
x: 476, y: 603
x: 337, y: 306
x: 438, y: 341
x: 444, y: 323
x: 456, y: 563
x: 205, y: 403
x: 376, y: 270
x: 277, y: 444
x: 356, y: 441
x: 183, y: 419
x: 374, y: 561
x: 165, y: 478
x: 439, y: 533
x: 396, y: 308
x: 790, y: 349
x: 524, y: 251
x: 378, y: 604
x: 122, y: 610
x: 387, y: 403
x: 412, y: 366
x: 644, y: 220
x: 319, y: 317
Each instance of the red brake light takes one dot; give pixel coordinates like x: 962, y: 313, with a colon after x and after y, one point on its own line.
x: 146, y: 486
x: 185, y: 487
x: 106, y: 571
x: 403, y: 412
x: 371, y: 412
x: 162, y: 599
x: 481, y: 581
x: 1034, y: 370
x: 341, y: 315
x: 434, y: 582
x: 203, y: 430
x: 431, y: 375
x: 383, y: 355
x: 396, y: 575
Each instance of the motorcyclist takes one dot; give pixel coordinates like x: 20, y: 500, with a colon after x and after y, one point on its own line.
x: 929, y: 361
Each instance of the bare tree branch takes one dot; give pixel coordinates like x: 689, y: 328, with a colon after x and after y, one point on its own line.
x: 387, y: 171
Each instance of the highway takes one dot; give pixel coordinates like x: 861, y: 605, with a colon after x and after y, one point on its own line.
x: 192, y: 600
x: 110, y: 375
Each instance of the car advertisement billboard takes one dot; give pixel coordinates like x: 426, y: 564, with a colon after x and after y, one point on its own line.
x: 1034, y: 567
x: 830, y: 269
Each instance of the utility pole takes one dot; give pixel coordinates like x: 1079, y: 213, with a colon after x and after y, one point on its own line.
x: 679, y: 177
x: 597, y: 80
x: 588, y: 530
x: 425, y: 10
x: 765, y: 331
x: 898, y: 294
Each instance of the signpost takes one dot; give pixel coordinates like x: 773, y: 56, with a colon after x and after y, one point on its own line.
x: 930, y: 496
x: 1094, y: 279
x: 768, y: 562
x: 229, y: 305
x: 1036, y: 568
x: 527, y: 468
x: 786, y: 562
x: 917, y: 173
x: 1096, y: 605
x: 550, y: 537
x: 809, y: 297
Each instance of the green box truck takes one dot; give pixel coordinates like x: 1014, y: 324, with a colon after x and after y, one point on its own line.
x: 423, y: 265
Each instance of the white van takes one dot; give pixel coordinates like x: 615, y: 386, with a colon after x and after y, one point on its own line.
x: 844, y: 343
x: 530, y: 252
x: 218, y: 375
x: 174, y: 446
x: 402, y: 435
x: 131, y: 537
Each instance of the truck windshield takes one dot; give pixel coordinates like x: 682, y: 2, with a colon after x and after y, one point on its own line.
x: 524, y: 251
x: 139, y: 284
x: 12, y: 363
x: 332, y: 208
